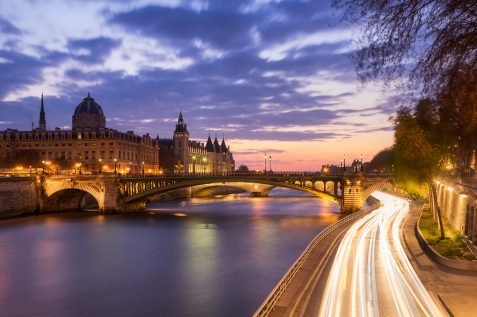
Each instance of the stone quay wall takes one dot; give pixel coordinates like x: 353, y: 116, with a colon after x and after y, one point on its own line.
x: 458, y: 203
x: 19, y: 195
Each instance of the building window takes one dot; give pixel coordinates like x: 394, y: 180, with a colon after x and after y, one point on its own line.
x: 86, y: 155
x: 93, y: 155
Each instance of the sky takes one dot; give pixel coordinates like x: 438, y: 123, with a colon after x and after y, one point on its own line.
x: 270, y: 76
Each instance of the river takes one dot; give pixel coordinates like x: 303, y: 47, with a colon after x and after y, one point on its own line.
x: 195, y: 257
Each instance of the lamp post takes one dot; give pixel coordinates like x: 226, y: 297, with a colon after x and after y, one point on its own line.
x: 142, y: 168
x: 344, y: 162
x: 130, y: 167
x: 204, y: 161
x: 78, y: 166
x: 193, y: 164
x: 100, y: 165
x: 115, y: 166
x: 361, y: 159
x: 265, y: 159
x: 270, y: 163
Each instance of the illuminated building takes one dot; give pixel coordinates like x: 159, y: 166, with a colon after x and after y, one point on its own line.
x: 89, y: 147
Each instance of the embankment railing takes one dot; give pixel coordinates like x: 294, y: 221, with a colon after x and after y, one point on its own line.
x: 267, y: 306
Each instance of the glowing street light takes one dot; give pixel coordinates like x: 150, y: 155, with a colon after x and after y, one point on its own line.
x: 130, y: 167
x: 78, y: 167
x: 100, y: 165
x: 115, y: 166
x: 270, y: 162
x: 265, y: 158
x: 142, y: 168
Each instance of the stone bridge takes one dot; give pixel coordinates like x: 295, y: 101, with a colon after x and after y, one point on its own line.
x: 113, y: 193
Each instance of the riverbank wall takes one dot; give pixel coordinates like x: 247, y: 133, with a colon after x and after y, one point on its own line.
x: 19, y: 195
x: 458, y: 203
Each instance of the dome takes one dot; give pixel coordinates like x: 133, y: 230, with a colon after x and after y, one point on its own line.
x: 89, y: 106
x: 88, y: 115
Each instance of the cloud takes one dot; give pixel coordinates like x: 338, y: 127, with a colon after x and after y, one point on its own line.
x: 18, y: 71
x: 225, y: 29
x: 94, y: 50
x: 7, y: 27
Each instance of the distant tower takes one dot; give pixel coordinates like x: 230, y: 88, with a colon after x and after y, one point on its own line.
x: 181, y: 143
x: 42, y: 122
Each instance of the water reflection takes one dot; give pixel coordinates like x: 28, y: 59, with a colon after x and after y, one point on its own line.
x: 221, y: 259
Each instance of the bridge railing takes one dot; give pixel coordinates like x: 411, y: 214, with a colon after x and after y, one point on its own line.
x: 267, y: 306
x: 259, y: 174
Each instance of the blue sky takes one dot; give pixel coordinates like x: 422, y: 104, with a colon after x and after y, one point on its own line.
x: 272, y: 76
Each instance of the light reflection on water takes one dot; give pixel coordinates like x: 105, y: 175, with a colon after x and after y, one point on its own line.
x: 197, y: 257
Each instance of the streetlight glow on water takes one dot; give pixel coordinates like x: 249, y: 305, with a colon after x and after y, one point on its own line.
x: 371, y: 274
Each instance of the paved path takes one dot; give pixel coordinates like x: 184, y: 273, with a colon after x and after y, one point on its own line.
x: 457, y: 288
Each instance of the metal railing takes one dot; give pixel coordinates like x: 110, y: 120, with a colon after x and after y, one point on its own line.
x: 219, y: 174
x: 267, y: 306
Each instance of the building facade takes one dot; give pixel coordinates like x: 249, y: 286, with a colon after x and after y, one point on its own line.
x: 180, y: 154
x: 89, y: 147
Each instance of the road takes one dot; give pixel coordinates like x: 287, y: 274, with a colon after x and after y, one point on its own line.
x: 371, y: 274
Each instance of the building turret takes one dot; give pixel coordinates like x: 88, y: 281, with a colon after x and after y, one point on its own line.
x: 42, y: 121
x: 209, y: 146
x: 216, y: 145
x: 223, y: 147
x: 181, y: 126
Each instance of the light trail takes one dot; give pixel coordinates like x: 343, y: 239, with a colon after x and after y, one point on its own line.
x: 371, y: 274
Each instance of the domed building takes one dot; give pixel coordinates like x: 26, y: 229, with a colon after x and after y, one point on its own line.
x: 89, y: 147
x: 89, y: 116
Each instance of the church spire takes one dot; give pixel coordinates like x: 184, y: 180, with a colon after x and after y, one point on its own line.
x: 42, y: 122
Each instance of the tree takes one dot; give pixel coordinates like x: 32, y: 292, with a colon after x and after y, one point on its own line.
x: 243, y: 169
x: 383, y: 161
x: 415, y: 160
x: 435, y: 40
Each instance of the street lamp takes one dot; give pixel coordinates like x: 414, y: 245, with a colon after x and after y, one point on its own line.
x: 78, y: 166
x: 204, y: 161
x: 115, y: 165
x: 130, y: 167
x: 344, y: 162
x: 100, y: 165
x: 270, y: 159
x: 142, y: 168
x: 193, y: 164
x: 265, y: 158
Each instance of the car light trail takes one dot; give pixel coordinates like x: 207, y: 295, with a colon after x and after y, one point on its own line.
x: 371, y: 274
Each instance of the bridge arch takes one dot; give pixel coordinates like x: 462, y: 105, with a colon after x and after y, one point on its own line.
x: 130, y: 197
x: 70, y: 199
x: 63, y: 195
x: 381, y: 186
x: 251, y: 188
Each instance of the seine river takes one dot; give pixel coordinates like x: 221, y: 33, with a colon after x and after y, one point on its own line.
x: 196, y: 257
